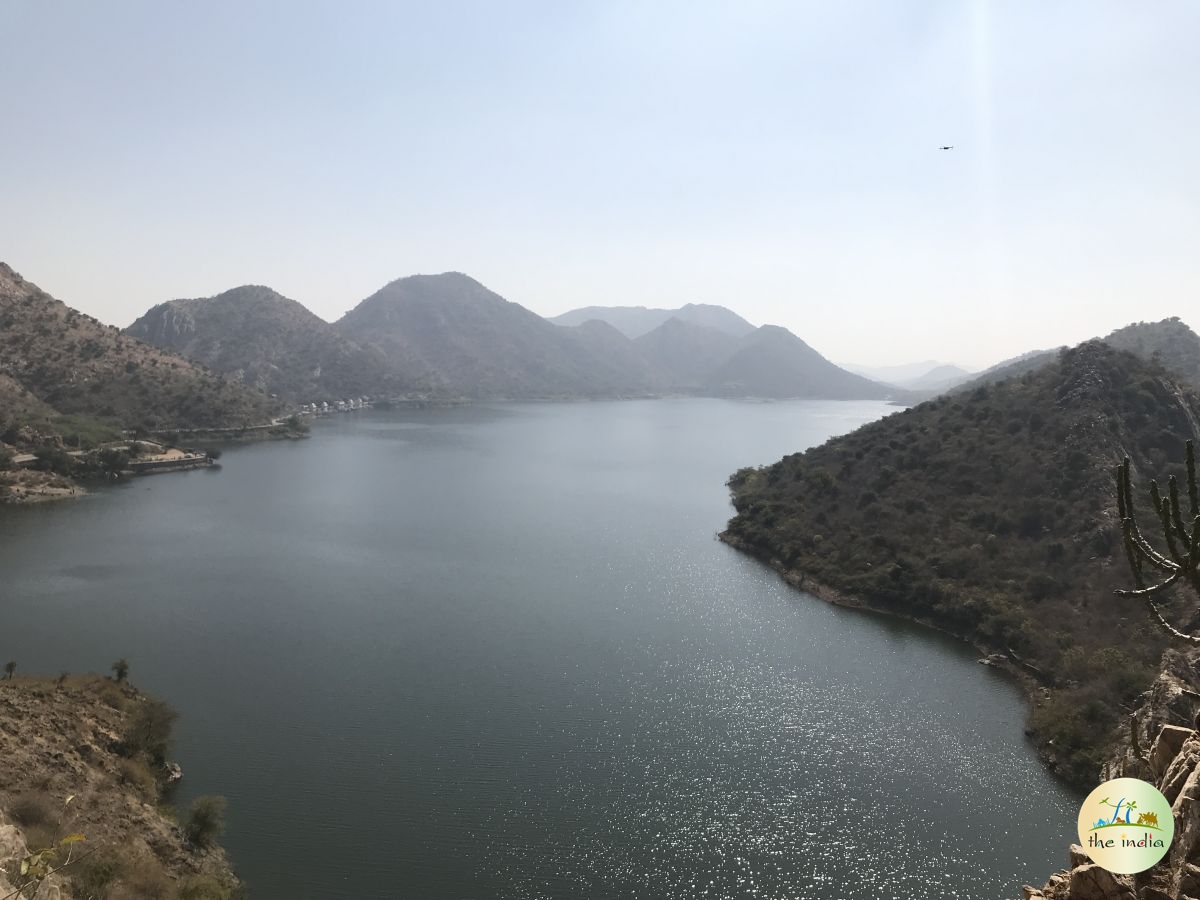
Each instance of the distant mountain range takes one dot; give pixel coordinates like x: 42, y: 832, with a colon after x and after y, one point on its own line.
x: 929, y: 375
x: 635, y: 321
x: 250, y: 351
x: 449, y: 336
x: 56, y: 361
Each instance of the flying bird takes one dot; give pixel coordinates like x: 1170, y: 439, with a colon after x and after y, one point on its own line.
x: 950, y: 147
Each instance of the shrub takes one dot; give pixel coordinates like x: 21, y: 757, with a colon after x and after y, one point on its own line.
x: 206, y: 821
x: 37, y: 816
x: 33, y: 810
x: 149, y: 730
x: 202, y: 887
x: 138, y: 776
x: 95, y: 877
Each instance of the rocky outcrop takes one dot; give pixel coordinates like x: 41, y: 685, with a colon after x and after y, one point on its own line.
x: 71, y: 786
x: 1165, y: 751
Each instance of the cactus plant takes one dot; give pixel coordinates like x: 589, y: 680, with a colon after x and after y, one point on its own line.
x: 1181, y: 560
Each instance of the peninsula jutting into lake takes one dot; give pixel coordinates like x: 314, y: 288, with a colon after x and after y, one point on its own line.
x: 699, y: 451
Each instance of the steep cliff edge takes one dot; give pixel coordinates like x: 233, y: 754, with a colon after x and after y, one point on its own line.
x: 1162, y: 747
x: 82, y: 777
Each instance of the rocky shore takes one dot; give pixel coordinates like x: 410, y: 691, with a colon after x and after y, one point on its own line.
x: 1163, y: 747
x: 70, y: 785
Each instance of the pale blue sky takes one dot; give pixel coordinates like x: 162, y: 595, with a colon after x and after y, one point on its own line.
x: 776, y: 157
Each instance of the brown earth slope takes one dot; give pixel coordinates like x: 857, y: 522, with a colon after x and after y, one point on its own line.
x: 76, y: 365
x: 67, y: 770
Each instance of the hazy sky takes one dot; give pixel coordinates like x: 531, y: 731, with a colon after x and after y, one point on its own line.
x: 775, y: 157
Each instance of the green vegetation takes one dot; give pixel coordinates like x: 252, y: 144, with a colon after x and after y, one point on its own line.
x: 10, y: 669
x: 206, y: 821
x: 991, y: 515
x: 80, y: 432
x: 292, y: 426
x: 205, y: 887
x: 120, y: 670
x: 148, y: 734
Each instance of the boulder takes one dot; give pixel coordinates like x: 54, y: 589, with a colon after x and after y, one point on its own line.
x: 1091, y: 882
x: 1166, y: 747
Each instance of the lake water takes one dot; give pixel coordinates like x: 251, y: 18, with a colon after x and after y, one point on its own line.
x: 497, y: 652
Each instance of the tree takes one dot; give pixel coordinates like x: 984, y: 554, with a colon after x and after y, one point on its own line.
x: 10, y: 669
x: 206, y: 821
x: 1181, y: 559
x: 120, y: 670
x: 149, y: 730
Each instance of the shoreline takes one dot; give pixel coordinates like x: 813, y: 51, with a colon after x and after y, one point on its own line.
x: 1033, y: 689
x: 31, y: 486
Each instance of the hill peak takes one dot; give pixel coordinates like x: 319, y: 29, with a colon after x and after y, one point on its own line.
x: 636, y: 321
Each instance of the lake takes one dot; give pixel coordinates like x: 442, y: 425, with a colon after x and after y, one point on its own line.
x: 497, y: 651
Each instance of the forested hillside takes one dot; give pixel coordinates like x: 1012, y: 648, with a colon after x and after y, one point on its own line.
x: 992, y: 515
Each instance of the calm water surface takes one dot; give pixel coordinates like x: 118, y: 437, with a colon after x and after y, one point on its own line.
x: 497, y: 652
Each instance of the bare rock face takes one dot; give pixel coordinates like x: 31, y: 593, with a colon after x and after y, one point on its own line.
x: 1173, y: 764
x: 12, y: 850
x: 1166, y: 747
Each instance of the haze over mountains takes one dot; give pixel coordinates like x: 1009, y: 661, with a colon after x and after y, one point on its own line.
x: 635, y: 321
x: 929, y: 375
x: 433, y: 337
x: 449, y: 336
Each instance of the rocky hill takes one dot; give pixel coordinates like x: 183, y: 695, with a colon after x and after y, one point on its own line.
x: 635, y: 321
x: 448, y: 336
x: 1169, y: 342
x: 81, y: 785
x: 991, y: 515
x: 685, y: 353
x: 18, y: 403
x: 939, y: 378
x: 465, y: 340
x: 618, y: 365
x: 270, y: 343
x: 72, y: 364
x: 773, y: 362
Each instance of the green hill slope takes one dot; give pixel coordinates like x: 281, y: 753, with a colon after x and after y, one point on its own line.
x: 991, y: 514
